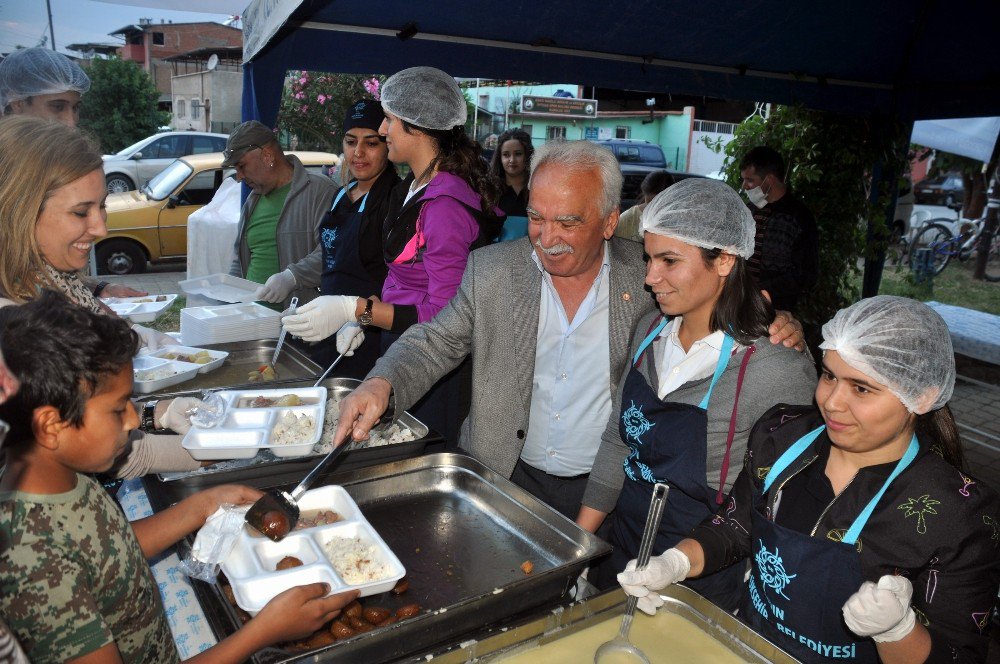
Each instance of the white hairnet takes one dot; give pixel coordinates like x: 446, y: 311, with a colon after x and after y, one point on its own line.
x: 425, y: 97
x: 899, y: 342
x: 702, y: 212
x: 38, y: 71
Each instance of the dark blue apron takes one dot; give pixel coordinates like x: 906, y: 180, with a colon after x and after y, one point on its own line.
x: 345, y: 274
x: 798, y: 584
x: 667, y: 443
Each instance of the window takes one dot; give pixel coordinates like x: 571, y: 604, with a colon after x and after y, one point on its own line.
x: 168, y: 147
x: 484, y: 101
x: 202, y: 144
x: 201, y: 188
x: 218, y: 144
x: 628, y: 153
x: 555, y: 133
x: 195, y: 109
x: 158, y: 39
x: 527, y: 129
x: 623, y: 131
x: 180, y: 108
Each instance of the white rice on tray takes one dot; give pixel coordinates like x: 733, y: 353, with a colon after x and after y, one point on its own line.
x: 292, y: 429
x: 357, y: 561
x: 379, y: 436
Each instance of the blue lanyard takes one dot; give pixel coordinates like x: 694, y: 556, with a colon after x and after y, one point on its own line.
x: 340, y: 195
x: 720, y: 366
x: 796, y: 450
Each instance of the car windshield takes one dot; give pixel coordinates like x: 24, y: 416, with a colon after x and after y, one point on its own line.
x: 132, y: 148
x: 168, y: 180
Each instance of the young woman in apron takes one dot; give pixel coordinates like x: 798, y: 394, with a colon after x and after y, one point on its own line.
x: 702, y: 373
x: 866, y: 542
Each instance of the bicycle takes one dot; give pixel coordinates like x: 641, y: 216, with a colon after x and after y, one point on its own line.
x: 945, y: 245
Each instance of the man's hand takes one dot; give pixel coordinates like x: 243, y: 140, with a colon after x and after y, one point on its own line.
x: 120, y: 290
x: 277, y: 288
x: 788, y: 331
x: 153, y: 339
x: 208, y: 501
x: 360, y: 410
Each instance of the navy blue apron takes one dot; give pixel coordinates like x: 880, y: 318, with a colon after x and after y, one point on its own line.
x: 345, y: 274
x: 667, y: 442
x: 798, y: 584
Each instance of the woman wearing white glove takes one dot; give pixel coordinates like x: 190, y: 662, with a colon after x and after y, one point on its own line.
x: 277, y: 288
x: 153, y: 339
x: 866, y: 540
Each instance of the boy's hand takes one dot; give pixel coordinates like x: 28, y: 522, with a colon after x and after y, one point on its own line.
x: 298, y: 612
x: 210, y: 500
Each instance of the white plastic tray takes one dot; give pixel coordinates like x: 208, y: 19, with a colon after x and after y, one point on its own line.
x: 222, y: 287
x: 218, y: 356
x: 144, y: 309
x: 142, y: 365
x: 248, y: 429
x: 250, y: 566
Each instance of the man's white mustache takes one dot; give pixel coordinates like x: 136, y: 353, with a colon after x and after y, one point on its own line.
x: 554, y: 250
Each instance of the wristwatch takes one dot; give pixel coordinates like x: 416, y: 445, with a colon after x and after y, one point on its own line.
x: 148, y: 422
x: 365, y: 319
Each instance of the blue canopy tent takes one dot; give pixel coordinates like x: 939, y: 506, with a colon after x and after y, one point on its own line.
x: 901, y: 59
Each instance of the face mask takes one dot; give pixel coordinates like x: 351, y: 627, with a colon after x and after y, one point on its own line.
x: 757, y: 196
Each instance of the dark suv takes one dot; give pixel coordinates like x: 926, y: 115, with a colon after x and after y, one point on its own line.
x: 638, y: 159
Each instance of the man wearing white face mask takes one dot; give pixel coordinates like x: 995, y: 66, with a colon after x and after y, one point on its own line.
x: 785, y: 260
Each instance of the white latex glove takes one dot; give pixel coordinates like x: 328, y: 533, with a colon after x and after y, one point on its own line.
x: 177, y: 416
x: 881, y: 611
x: 663, y: 570
x: 349, y: 338
x: 152, y: 339
x: 277, y: 288
x: 321, y: 317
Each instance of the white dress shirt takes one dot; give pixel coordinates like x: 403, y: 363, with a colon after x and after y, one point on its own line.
x: 675, y: 366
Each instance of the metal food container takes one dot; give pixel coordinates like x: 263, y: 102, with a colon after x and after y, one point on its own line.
x: 244, y: 357
x: 463, y: 533
x: 493, y: 645
x: 265, y: 469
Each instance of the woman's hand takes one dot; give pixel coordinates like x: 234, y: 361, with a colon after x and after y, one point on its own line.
x: 663, y: 570
x: 349, y: 338
x: 152, y: 339
x: 121, y: 290
x: 319, y: 318
x: 881, y: 611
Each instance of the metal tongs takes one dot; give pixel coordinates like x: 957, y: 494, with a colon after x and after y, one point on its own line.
x: 620, y: 645
x: 275, y: 514
x: 281, y: 337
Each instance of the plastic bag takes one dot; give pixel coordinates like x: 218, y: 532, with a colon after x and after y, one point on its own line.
x: 211, y: 413
x: 214, y: 542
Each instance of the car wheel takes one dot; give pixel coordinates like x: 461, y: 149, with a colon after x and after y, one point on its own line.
x: 949, y: 200
x: 118, y: 183
x: 120, y: 257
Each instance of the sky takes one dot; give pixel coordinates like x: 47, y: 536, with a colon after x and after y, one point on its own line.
x: 25, y: 22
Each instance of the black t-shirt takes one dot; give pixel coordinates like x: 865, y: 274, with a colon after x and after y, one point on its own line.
x: 512, y: 203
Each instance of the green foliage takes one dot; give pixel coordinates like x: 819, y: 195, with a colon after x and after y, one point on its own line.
x: 120, y: 107
x: 946, y: 162
x: 830, y: 160
x: 313, y: 106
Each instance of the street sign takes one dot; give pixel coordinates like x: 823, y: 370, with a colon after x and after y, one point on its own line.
x: 590, y: 133
x: 562, y: 106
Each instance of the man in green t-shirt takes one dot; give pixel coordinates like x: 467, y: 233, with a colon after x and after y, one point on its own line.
x: 277, y: 244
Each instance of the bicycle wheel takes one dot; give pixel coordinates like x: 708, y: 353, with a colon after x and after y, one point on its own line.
x: 937, y: 238
x: 993, y: 259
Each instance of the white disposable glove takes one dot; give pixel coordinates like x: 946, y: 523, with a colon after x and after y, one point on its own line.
x: 152, y: 339
x: 663, y: 570
x: 881, y: 611
x: 321, y: 317
x: 277, y: 288
x: 177, y: 416
x: 349, y: 338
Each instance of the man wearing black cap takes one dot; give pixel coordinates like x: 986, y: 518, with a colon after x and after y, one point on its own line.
x: 276, y: 244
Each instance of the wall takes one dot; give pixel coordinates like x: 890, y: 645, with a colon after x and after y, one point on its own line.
x: 703, y: 159
x: 224, y: 89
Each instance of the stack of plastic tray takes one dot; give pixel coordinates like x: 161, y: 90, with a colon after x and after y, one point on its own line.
x: 227, y: 323
x: 222, y: 287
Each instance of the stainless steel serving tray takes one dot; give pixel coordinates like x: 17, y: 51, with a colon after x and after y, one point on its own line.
x: 462, y: 532
x: 244, y: 357
x: 494, y: 644
x: 265, y: 469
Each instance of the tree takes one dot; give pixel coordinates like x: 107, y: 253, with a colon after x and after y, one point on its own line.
x: 121, y: 106
x: 830, y: 161
x: 971, y: 171
x: 313, y: 106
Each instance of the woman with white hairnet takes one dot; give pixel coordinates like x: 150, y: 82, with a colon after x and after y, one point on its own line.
x: 866, y: 540
x: 42, y: 83
x: 703, y: 371
x: 437, y: 216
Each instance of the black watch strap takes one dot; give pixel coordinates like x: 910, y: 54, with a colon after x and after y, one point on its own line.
x: 149, y: 416
x: 99, y: 288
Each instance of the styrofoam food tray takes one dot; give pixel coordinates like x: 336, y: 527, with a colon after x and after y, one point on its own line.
x: 218, y: 356
x: 250, y: 566
x: 142, y: 364
x: 145, y: 310
x: 222, y: 287
x: 246, y: 430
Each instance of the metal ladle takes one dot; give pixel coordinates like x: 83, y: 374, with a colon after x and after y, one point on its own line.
x: 620, y: 645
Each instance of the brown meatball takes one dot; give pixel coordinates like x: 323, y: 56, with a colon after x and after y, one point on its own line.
x: 353, y: 609
x: 288, y: 562
x: 401, y: 586
x: 376, y: 615
x: 359, y: 624
x: 319, y: 639
x: 407, y: 611
x: 341, y: 630
x: 275, y: 524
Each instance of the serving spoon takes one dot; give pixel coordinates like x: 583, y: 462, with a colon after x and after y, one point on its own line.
x: 620, y: 648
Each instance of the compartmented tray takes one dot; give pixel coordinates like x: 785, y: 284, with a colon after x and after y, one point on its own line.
x: 255, y: 421
x: 462, y: 532
x: 150, y: 374
x: 142, y: 309
x: 222, y: 287
x: 347, y: 554
x: 186, y: 353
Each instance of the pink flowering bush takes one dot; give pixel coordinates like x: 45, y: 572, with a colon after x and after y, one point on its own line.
x: 313, y: 105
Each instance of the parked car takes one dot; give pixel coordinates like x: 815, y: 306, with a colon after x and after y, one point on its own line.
x: 940, y: 190
x: 151, y: 225
x: 138, y: 163
x: 637, y: 160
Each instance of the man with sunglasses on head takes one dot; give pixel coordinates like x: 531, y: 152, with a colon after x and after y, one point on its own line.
x: 277, y: 244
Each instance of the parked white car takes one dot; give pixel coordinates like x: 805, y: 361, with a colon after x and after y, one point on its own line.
x: 137, y: 164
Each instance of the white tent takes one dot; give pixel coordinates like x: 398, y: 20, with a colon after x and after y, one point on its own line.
x: 969, y: 137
